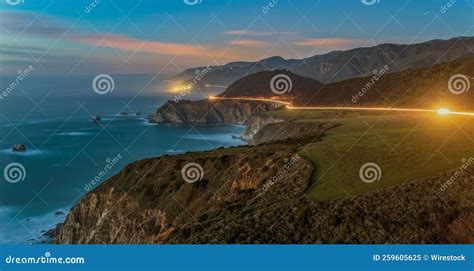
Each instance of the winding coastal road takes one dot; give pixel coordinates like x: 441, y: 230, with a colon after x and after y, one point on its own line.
x: 288, y: 105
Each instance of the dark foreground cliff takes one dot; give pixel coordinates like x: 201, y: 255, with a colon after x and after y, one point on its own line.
x: 257, y: 195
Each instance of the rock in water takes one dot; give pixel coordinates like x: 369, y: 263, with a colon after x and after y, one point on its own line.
x: 96, y: 119
x: 19, y: 148
x: 138, y: 113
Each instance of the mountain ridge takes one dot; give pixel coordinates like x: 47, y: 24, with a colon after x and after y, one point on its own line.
x: 343, y: 64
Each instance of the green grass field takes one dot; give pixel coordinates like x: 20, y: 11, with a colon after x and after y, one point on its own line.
x: 405, y: 147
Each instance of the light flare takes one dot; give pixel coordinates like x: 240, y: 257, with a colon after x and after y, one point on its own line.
x: 443, y: 111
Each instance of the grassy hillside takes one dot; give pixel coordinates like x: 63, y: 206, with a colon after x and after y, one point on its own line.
x: 406, y: 147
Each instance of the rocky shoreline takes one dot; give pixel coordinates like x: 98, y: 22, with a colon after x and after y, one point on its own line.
x: 251, y: 114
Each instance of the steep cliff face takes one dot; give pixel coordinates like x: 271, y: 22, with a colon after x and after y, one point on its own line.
x: 209, y: 112
x: 149, y: 202
x: 255, y: 124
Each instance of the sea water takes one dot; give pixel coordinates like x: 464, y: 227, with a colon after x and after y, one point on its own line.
x: 66, y: 152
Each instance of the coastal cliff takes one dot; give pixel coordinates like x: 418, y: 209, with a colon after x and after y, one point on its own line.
x: 256, y: 194
x: 209, y: 112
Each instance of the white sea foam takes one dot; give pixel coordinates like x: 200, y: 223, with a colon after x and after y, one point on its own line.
x: 28, y: 152
x: 14, y: 227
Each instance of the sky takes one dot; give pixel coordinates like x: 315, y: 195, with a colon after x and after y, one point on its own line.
x: 167, y: 36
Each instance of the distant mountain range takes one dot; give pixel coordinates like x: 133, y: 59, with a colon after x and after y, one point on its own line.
x: 341, y: 65
x: 427, y: 87
x: 421, y: 87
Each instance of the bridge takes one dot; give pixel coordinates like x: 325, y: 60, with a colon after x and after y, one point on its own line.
x: 288, y: 105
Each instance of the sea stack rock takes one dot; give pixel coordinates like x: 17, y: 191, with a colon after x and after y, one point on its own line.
x: 138, y: 113
x: 96, y: 119
x: 19, y: 148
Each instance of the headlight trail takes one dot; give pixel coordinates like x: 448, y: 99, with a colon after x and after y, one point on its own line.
x: 215, y: 86
x: 250, y: 99
x: 440, y: 111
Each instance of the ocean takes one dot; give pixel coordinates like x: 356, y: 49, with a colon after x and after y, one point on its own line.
x: 65, y: 151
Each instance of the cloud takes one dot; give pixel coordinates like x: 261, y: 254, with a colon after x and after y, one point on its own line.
x: 250, y: 43
x: 123, y: 42
x: 327, y: 42
x: 248, y: 33
x: 30, y: 23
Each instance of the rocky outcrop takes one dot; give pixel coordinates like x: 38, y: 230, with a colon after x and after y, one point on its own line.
x: 18, y: 148
x: 255, y: 124
x: 149, y: 202
x: 209, y: 111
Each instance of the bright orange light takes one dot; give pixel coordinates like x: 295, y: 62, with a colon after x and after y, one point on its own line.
x: 211, y: 98
x: 444, y: 111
